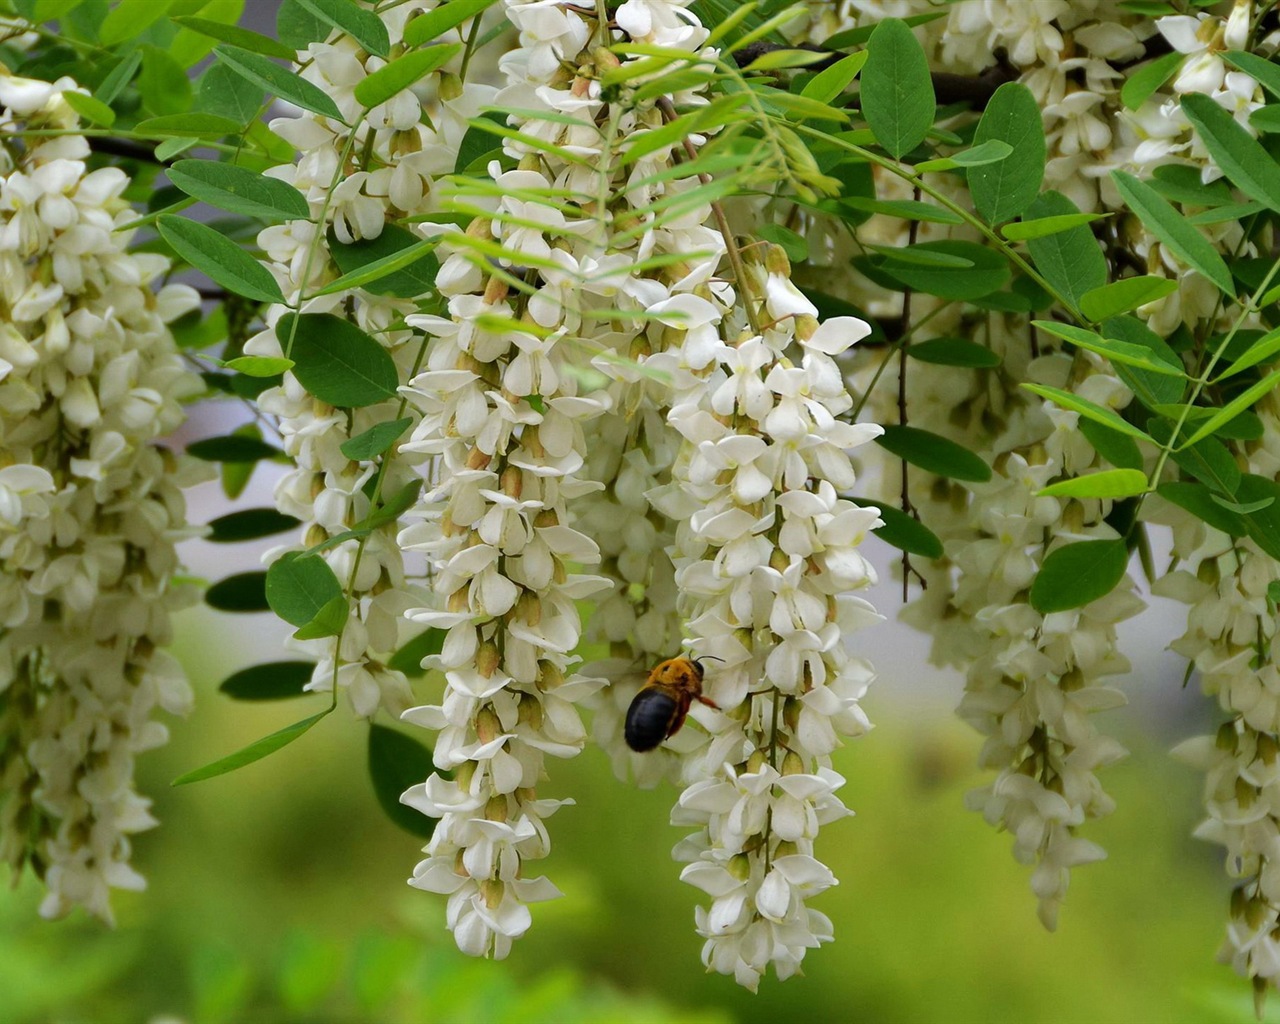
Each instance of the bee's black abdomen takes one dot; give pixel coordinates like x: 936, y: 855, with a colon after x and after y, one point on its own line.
x: 649, y: 719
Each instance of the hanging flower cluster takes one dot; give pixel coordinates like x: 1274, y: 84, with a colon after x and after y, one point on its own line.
x: 767, y: 562
x: 503, y: 407
x: 380, y: 166
x: 90, y: 507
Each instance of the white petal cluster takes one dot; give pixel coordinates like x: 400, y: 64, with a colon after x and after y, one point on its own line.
x: 90, y: 506
x: 767, y: 563
x: 356, y: 180
x: 1231, y: 641
x: 1165, y: 133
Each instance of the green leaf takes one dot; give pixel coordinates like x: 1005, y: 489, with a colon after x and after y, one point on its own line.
x: 477, y: 143
x: 1151, y: 388
x: 297, y: 27
x: 433, y: 24
x: 947, y: 276
x: 235, y: 476
x: 1041, y: 227
x: 933, y: 453
x: 374, y: 441
x: 1084, y: 407
x: 1117, y: 448
x: 336, y: 361
x: 794, y: 245
x: 188, y: 126
x: 243, y: 592
x: 1266, y: 73
x: 774, y: 60
x: 365, y: 27
x: 1117, y: 351
x: 1237, y: 405
x: 259, y: 366
x: 232, y: 448
x: 394, y: 507
x: 1262, y: 526
x: 278, y: 81
x: 401, y: 73
x: 897, y: 91
x: 1179, y: 183
x: 954, y: 352
x: 904, y: 532
x: 1076, y: 574
x: 129, y: 18
x: 904, y: 209
x: 119, y: 77
x: 1266, y: 120
x: 1121, y: 296
x: 223, y: 93
x: 1196, y: 499
x: 1004, y: 190
x: 408, y: 660
x: 1208, y: 460
x: 299, y: 586
x: 1238, y: 153
x: 237, y: 36
x: 273, y: 680
x: 396, y: 263
x: 830, y: 82
x: 92, y: 110
x: 329, y: 620
x: 993, y: 151
x: 1110, y: 483
x: 857, y: 36
x: 398, y: 762
x: 163, y: 83
x: 1261, y: 351
x: 249, y: 524
x: 253, y: 752
x: 221, y: 259
x: 1147, y: 79
x: 1070, y: 260
x: 239, y: 190
x: 1170, y: 228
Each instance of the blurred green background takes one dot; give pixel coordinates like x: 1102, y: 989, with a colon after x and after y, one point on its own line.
x: 278, y: 894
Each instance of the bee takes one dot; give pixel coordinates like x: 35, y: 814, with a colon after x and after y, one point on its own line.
x: 661, y: 706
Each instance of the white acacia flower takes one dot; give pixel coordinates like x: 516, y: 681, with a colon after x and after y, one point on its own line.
x: 90, y: 508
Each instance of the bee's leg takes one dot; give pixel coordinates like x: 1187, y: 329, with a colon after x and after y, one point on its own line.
x: 708, y: 702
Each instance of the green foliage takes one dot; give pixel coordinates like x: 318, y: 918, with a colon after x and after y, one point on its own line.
x: 299, y: 587
x: 336, y: 361
x: 243, y: 592
x: 904, y: 532
x: 1071, y: 260
x: 214, y: 254
x: 1075, y: 574
x: 402, y: 72
x: 1163, y: 221
x: 271, y: 680
x: 238, y: 190
x: 954, y: 352
x: 255, y: 751
x: 398, y: 761
x: 362, y: 25
x: 1238, y: 153
x: 396, y: 263
x: 934, y: 453
x: 249, y: 524
x: 261, y: 71
x: 232, y: 448
x: 897, y: 91
x: 431, y: 25
x: 1004, y: 190
x: 376, y: 440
